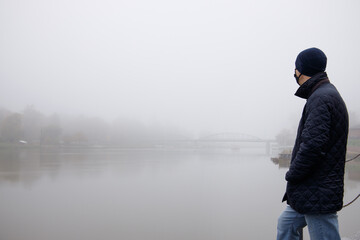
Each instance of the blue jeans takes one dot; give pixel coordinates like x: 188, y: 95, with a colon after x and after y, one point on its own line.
x: 320, y: 226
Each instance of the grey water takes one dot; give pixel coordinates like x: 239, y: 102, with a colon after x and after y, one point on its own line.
x: 109, y: 194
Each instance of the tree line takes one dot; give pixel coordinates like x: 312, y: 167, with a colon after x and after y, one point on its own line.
x: 33, y: 127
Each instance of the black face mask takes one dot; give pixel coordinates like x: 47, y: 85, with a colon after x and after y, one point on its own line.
x: 297, y: 78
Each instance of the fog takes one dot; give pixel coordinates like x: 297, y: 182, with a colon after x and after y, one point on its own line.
x: 202, y: 66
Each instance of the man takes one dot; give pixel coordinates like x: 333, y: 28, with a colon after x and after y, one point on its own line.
x: 315, y: 180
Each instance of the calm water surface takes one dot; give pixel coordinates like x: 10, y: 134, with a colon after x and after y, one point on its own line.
x: 147, y: 194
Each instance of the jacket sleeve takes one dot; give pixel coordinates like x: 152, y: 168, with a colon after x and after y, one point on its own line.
x: 313, y: 140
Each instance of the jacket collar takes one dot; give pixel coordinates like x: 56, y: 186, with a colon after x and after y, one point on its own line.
x: 307, y: 88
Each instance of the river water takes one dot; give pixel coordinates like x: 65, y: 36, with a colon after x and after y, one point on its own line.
x: 109, y: 194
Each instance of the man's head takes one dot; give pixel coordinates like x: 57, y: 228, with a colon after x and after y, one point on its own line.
x: 309, y: 62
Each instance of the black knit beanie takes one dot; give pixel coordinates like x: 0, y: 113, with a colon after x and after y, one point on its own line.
x: 311, y: 61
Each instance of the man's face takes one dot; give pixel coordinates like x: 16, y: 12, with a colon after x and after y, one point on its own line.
x: 297, y: 76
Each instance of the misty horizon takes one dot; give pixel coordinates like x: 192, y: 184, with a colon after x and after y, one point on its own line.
x: 218, y: 66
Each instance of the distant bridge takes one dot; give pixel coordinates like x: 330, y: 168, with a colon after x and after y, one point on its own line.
x: 230, y: 137
x: 227, y: 138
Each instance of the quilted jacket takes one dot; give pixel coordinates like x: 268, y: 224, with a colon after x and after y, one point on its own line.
x: 315, y: 180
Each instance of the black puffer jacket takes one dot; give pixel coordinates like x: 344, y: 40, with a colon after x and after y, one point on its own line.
x: 316, y: 174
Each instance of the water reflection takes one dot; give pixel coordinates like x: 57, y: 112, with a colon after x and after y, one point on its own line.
x: 28, y: 165
x: 142, y: 194
x: 123, y: 194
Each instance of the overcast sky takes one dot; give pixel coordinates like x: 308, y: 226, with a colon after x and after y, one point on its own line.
x: 203, y: 65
